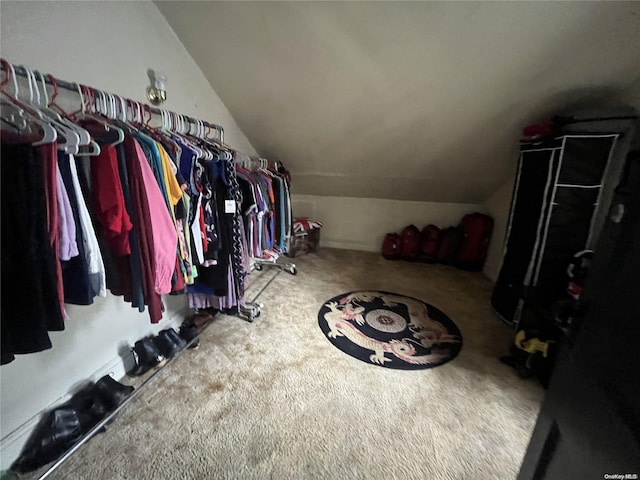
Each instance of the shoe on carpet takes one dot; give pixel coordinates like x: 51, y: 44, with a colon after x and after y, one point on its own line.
x: 189, y: 332
x: 55, y: 434
x: 112, y: 392
x: 169, y: 343
x: 146, y: 357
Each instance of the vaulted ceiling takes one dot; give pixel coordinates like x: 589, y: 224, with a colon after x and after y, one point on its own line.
x: 412, y: 101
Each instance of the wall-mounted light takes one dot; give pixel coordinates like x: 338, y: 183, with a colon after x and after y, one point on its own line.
x: 157, y: 92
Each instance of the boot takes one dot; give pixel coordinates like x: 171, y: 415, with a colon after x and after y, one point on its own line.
x: 169, y: 343
x: 176, y: 339
x: 112, y: 393
x: 90, y: 408
x: 146, y: 356
x: 188, y: 333
x: 59, y: 430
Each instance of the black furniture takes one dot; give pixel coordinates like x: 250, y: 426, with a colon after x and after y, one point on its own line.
x: 589, y: 423
x: 563, y: 188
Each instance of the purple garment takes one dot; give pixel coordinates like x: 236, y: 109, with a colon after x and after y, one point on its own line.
x: 68, y: 246
x: 203, y: 300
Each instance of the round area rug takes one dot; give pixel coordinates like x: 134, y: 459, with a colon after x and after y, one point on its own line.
x: 390, y: 330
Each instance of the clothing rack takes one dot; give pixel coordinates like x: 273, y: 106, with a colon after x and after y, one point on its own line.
x: 249, y: 309
x: 251, y: 163
x: 73, y: 87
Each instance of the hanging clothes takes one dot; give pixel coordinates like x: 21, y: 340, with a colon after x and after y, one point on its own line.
x: 143, y: 221
x: 47, y: 153
x: 108, y: 201
x: 266, y: 208
x: 67, y: 246
x: 92, y: 252
x: 75, y: 271
x: 30, y: 306
x: 154, y: 212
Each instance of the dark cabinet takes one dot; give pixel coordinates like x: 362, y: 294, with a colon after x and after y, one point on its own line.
x: 562, y: 195
x: 559, y: 202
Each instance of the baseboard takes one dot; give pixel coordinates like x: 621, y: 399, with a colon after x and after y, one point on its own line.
x: 348, y: 245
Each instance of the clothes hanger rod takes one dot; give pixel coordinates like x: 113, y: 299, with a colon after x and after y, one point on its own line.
x: 72, y: 87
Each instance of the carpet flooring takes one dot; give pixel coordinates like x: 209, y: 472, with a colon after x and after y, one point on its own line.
x: 276, y: 400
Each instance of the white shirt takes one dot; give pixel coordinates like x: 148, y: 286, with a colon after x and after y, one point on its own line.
x: 92, y: 253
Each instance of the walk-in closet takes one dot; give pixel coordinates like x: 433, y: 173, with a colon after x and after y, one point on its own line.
x: 319, y: 240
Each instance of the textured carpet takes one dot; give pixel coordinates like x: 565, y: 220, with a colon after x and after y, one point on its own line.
x: 390, y: 330
x: 275, y: 400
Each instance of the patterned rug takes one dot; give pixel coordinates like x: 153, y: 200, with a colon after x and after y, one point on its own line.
x: 390, y: 330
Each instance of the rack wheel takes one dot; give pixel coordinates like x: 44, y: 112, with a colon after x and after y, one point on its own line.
x: 258, y: 266
x: 293, y: 270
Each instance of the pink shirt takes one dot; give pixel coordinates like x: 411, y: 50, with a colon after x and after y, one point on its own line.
x: 165, y: 237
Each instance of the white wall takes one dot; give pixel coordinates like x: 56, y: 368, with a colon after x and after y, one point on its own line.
x: 361, y: 223
x: 497, y: 205
x: 108, y: 45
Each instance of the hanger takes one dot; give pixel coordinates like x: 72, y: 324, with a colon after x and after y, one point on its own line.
x: 68, y: 137
x: 172, y: 125
x: 69, y: 121
x: 29, y: 115
x: 16, y: 113
x: 123, y: 122
x: 98, y: 128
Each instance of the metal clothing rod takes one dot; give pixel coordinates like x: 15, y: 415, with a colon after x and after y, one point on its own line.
x: 73, y: 87
x: 265, y: 287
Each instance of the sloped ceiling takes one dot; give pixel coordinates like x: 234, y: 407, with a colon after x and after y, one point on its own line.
x: 410, y: 101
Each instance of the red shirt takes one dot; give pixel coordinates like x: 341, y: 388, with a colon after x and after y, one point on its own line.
x: 108, y: 200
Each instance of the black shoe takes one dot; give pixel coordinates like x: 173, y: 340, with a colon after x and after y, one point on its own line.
x: 59, y: 430
x: 189, y: 332
x: 111, y: 392
x: 169, y: 343
x: 176, y: 339
x: 89, y: 406
x: 146, y: 356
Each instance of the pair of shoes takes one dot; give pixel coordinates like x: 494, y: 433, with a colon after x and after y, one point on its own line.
x: 146, y: 357
x: 169, y: 343
x: 155, y: 352
x: 63, y: 426
x: 96, y: 400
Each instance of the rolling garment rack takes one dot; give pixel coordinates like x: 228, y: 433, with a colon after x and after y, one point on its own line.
x: 257, y: 262
x: 251, y: 309
x: 117, y: 107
